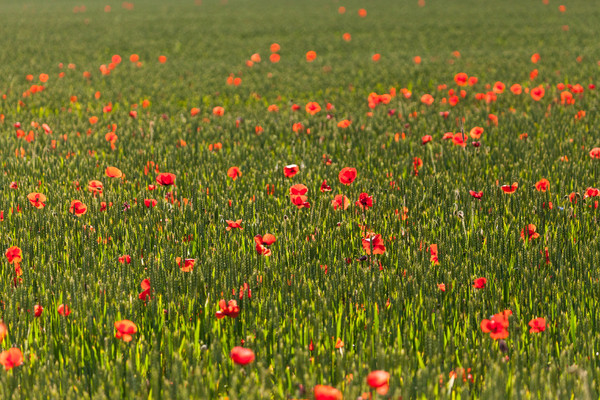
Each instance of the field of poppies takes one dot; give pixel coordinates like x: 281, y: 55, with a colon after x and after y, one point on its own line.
x: 317, y: 199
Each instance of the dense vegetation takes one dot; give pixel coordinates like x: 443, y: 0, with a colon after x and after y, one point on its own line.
x: 174, y: 183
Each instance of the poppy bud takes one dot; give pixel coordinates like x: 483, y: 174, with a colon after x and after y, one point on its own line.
x: 502, y: 346
x: 476, y: 144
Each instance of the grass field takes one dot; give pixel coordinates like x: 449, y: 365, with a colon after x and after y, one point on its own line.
x: 148, y: 149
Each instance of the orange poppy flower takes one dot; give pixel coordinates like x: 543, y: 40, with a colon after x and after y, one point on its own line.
x: 312, y: 108
x: 427, y: 99
x: 234, y: 225
x: 340, y: 201
x: 417, y: 60
x: 499, y: 87
x: 274, y: 58
x: 64, y: 310
x: 347, y: 175
x: 433, y: 251
x: 165, y: 179
x: 11, y: 358
x: 542, y: 185
x: 162, y: 59
x: 323, y: 392
x: 274, y: 48
x: 291, y: 170
x: 535, y: 58
x: 297, y: 196
x: 113, y: 172
x: 516, y: 89
x: 476, y: 132
x: 77, y: 208
x: 3, y: 331
x: 510, y: 188
x: 347, y: 37
x: 344, y: 123
x: 241, y: 355
x: 218, y: 111
x: 234, y: 173
x: 376, y: 57
x: 380, y: 381
x: 537, y: 93
x: 255, y: 58
x: 37, y: 200
x: 43, y: 78
x: 14, y: 255
x: 188, y: 263
x: 311, y: 56
x: 125, y: 329
x: 95, y: 187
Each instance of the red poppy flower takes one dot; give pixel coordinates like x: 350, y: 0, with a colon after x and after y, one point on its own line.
x: 262, y: 242
x: 379, y: 380
x: 64, y: 310
x: 595, y: 153
x: 461, y: 79
x: 479, y: 283
x: 113, y: 172
x: 347, y: 175
x: 344, y: 123
x: 591, y: 192
x: 499, y: 87
x: 364, y: 201
x: 458, y: 139
x: 291, y: 170
x: 475, y: 194
x: 531, y: 233
x: 537, y: 325
x: 189, y: 263
x: 497, y: 325
x: 11, y: 358
x: 374, y: 242
x: 218, y: 111
x: 126, y: 259
x: 227, y: 309
x: 325, y: 187
x: 37, y: 200
x: 165, y: 179
x: 510, y: 188
x: 14, y: 255
x: 38, y: 310
x: 417, y: 163
x: 537, y: 93
x: 150, y: 203
x: 125, y: 329
x: 313, y: 107
x: 426, y: 139
x: 323, y: 392
x: 234, y: 225
x: 542, y: 185
x: 297, y: 196
x: 146, y: 290
x: 241, y: 355
x: 516, y: 89
x: 234, y: 173
x: 77, y: 208
x: 442, y: 287
x: 433, y: 251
